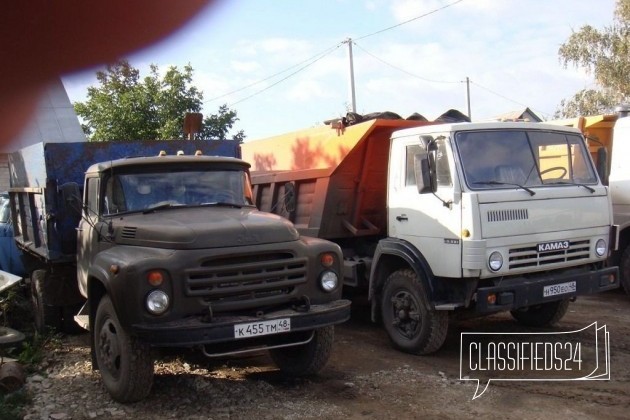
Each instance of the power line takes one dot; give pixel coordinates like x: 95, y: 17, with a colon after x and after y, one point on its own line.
x: 316, y: 57
x: 410, y: 20
x: 285, y: 78
x: 403, y: 70
x: 508, y: 99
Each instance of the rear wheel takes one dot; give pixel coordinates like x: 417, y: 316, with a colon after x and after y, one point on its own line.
x: 411, y: 324
x: 306, y: 359
x: 125, y: 363
x: 46, y: 317
x: 542, y: 315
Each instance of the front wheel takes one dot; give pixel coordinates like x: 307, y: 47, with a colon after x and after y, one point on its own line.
x: 542, y: 315
x: 306, y: 359
x: 125, y: 363
x: 411, y: 324
x: 624, y: 270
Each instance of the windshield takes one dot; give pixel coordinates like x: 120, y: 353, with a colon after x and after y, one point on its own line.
x: 147, y: 190
x: 525, y: 158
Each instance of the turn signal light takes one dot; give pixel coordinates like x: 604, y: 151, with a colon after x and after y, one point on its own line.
x: 155, y: 278
x: 492, y: 299
x: 327, y: 260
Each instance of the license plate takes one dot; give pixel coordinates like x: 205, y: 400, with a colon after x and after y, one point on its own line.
x: 553, y: 246
x: 559, y: 289
x: 255, y: 329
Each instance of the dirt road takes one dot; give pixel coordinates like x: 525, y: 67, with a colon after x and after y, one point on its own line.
x: 365, y: 379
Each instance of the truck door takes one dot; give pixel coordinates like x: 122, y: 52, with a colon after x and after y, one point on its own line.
x: 431, y: 222
x: 87, y: 238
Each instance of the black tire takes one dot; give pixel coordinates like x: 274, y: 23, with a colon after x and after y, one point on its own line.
x: 624, y: 270
x: 46, y: 317
x: 307, y: 359
x: 411, y: 324
x: 542, y: 315
x: 126, y: 364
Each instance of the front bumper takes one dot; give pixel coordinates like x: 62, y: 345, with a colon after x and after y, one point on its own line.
x: 521, y: 292
x: 195, y: 331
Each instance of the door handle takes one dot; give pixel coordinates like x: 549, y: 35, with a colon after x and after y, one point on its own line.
x: 402, y: 217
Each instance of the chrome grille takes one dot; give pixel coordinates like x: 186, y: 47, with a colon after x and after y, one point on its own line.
x: 528, y: 256
x: 249, y: 277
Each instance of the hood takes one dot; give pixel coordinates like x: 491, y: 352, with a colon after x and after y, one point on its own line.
x: 202, y: 227
x: 544, y: 213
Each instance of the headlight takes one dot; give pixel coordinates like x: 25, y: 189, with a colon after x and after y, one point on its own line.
x: 600, y: 248
x: 495, y: 262
x: 328, y: 281
x: 157, y: 302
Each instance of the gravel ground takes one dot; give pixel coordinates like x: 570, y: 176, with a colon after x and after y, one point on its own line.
x: 365, y: 379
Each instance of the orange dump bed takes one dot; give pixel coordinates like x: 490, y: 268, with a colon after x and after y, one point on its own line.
x: 338, y: 177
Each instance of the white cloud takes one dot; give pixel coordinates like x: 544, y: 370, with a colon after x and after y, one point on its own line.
x: 245, y: 66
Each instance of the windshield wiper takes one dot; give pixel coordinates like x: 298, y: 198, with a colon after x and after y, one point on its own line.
x: 592, y: 190
x: 160, y: 207
x: 223, y: 204
x: 531, y: 192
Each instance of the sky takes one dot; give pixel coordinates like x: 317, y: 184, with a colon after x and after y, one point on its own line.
x: 284, y: 65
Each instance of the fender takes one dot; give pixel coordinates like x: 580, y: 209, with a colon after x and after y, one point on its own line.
x: 124, y: 287
x: 414, y: 259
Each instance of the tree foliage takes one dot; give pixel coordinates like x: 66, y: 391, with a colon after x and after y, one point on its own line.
x: 605, y: 54
x: 125, y: 107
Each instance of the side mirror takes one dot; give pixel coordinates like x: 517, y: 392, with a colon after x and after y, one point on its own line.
x: 425, y: 173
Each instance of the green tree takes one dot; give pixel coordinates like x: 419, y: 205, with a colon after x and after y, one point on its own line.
x: 606, y: 55
x: 124, y: 107
x: 217, y: 126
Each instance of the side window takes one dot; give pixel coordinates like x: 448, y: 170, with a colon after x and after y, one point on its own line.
x: 442, y: 166
x: 443, y: 169
x: 91, y: 194
x: 412, y: 150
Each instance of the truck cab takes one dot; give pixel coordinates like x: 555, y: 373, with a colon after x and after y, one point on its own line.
x: 502, y: 206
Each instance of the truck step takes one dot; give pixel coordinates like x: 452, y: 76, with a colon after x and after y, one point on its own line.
x: 83, y: 317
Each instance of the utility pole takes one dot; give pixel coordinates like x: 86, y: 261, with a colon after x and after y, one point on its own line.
x: 468, y: 97
x: 353, y: 98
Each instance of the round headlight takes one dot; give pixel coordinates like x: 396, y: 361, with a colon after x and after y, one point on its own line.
x: 600, y: 248
x: 328, y: 281
x: 495, y: 262
x: 157, y: 302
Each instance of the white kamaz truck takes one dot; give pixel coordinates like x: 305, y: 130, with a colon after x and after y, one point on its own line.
x: 441, y: 218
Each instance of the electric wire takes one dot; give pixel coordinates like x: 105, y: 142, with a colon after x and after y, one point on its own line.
x: 410, y: 20
x: 401, y: 69
x: 284, y: 78
x: 315, y: 57
x: 506, y: 98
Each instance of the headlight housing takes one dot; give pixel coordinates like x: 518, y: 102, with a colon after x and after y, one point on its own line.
x: 157, y: 302
x: 328, y: 281
x: 601, y: 248
x: 495, y: 261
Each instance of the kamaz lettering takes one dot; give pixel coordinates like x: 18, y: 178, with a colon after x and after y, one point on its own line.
x: 553, y: 246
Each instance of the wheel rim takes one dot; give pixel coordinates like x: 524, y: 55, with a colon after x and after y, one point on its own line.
x: 407, y: 318
x: 109, y: 347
